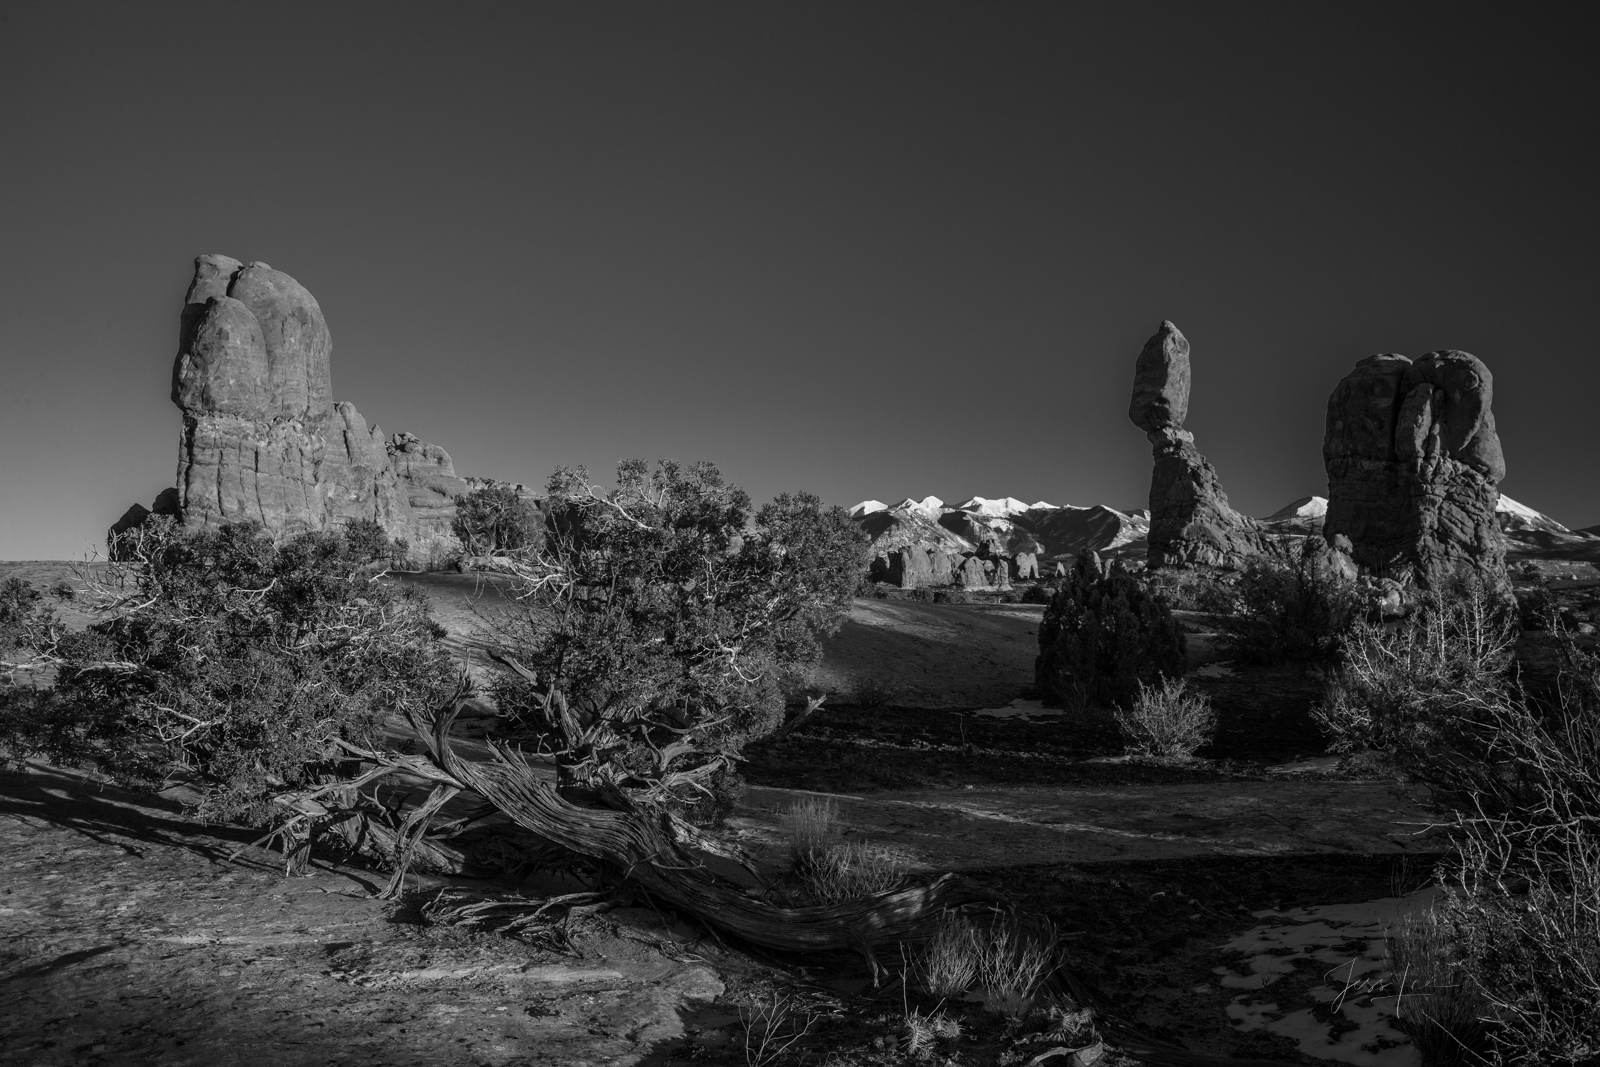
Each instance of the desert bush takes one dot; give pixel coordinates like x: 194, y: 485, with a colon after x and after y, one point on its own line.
x: 951, y: 596
x: 1407, y: 688
x: 493, y: 520
x: 851, y: 870
x: 28, y: 627
x: 1519, y: 779
x: 998, y: 960
x: 1437, y: 1004
x: 660, y: 623
x: 812, y: 827
x: 1103, y: 635
x: 1012, y: 965
x: 925, y: 1030
x: 1294, y: 607
x: 234, y: 661
x: 1038, y: 593
x: 1167, y: 721
x: 1182, y: 588
x: 948, y: 964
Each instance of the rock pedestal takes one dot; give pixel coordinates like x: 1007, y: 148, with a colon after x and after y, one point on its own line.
x: 1190, y: 520
x: 262, y: 438
x: 1413, y: 465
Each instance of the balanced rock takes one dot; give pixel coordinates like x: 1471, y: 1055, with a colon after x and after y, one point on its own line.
x: 1190, y: 520
x: 1414, y: 465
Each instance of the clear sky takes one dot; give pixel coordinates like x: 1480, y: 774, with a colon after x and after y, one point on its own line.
x: 865, y: 249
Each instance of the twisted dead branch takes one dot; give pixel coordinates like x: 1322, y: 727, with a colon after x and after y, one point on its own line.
x: 664, y: 856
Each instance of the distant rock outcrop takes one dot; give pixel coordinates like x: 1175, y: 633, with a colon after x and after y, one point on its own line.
x: 262, y: 438
x: 1190, y: 520
x: 1413, y: 466
x: 1031, y: 538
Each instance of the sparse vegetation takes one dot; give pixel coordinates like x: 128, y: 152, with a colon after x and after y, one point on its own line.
x: 1295, y: 606
x: 851, y: 870
x: 494, y: 520
x: 1515, y: 772
x: 1167, y: 721
x: 812, y: 827
x: 948, y: 965
x: 232, y: 661
x: 1103, y: 636
x: 662, y: 620
x: 1436, y: 1002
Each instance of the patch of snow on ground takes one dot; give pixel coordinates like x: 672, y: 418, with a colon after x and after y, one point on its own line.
x: 1023, y: 710
x: 1347, y: 941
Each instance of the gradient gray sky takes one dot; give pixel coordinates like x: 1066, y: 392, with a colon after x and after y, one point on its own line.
x: 868, y: 250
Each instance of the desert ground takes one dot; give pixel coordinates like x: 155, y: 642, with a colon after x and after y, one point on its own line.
x: 1211, y: 912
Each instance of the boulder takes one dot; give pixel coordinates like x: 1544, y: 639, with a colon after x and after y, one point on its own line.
x: 1161, y: 381
x: 1026, y: 566
x: 1190, y: 520
x: 1414, y: 465
x: 909, y: 568
x: 971, y: 574
x: 941, y: 570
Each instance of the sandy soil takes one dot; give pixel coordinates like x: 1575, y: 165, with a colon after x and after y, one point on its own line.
x: 130, y: 938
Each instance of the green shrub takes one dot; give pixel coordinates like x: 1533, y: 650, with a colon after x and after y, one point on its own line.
x: 236, y: 662
x: 1295, y: 608
x: 494, y: 520
x: 1038, y: 593
x: 27, y: 627
x: 1103, y: 636
x: 1183, y: 588
x: 662, y: 620
x: 1167, y: 722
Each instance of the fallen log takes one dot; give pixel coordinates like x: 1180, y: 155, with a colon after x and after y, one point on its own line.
x: 646, y: 846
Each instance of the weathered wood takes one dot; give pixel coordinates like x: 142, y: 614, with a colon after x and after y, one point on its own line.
x: 644, y: 846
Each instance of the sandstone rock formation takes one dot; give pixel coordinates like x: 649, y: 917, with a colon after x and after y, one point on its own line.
x: 1190, y: 520
x: 262, y: 438
x: 1413, y: 466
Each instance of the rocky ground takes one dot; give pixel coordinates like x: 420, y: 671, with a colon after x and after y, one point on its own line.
x: 131, y: 936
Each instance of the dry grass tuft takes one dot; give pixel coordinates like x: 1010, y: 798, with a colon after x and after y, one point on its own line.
x: 1167, y: 721
x: 1436, y: 1002
x: 851, y: 871
x: 812, y: 826
x: 1004, y: 966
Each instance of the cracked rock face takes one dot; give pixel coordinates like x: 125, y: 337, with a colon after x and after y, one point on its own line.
x: 1414, y: 465
x: 263, y: 439
x: 1190, y: 520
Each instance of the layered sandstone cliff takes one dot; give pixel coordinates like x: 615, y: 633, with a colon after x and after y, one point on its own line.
x: 263, y: 439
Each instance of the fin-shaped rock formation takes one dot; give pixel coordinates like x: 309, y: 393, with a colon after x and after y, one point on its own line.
x: 1414, y: 466
x: 1190, y: 520
x: 264, y: 440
